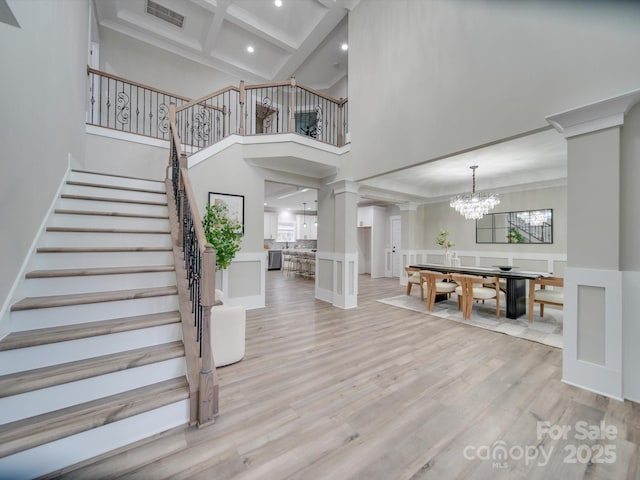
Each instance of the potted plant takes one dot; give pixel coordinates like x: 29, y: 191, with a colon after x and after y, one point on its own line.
x: 442, y: 240
x: 222, y: 232
x: 515, y: 236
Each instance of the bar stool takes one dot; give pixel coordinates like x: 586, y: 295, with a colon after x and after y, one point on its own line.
x: 305, y: 263
x: 297, y: 264
x: 312, y: 264
x: 287, y: 262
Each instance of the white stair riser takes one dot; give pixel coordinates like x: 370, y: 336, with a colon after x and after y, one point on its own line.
x: 117, y: 181
x: 101, y: 259
x: 76, y: 448
x: 75, y: 314
x: 104, y: 221
x: 119, y: 207
x: 29, y: 404
x: 114, y: 193
x: 23, y: 359
x: 92, y: 239
x: 41, y: 287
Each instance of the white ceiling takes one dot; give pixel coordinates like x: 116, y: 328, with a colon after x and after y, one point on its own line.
x: 533, y: 161
x: 278, y: 196
x: 302, y: 38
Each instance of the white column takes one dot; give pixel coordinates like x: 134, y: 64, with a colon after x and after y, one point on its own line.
x: 600, y: 300
x: 345, y: 254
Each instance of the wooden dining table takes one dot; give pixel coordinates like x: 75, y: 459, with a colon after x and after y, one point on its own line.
x: 516, y: 295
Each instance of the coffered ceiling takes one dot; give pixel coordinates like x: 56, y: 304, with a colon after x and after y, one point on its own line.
x: 301, y: 38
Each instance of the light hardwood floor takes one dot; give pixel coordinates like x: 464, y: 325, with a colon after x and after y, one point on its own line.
x: 378, y: 392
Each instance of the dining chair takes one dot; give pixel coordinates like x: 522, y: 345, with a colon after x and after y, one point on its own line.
x: 436, y: 283
x: 472, y: 287
x: 413, y: 275
x: 544, y: 296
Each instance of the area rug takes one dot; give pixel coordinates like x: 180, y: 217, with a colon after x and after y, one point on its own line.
x: 546, y: 330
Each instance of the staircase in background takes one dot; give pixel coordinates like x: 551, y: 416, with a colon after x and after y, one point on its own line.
x: 95, y: 359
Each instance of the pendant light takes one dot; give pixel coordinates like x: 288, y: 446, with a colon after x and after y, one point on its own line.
x: 304, y: 215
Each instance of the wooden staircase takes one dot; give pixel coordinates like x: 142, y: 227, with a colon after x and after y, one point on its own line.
x: 95, y: 360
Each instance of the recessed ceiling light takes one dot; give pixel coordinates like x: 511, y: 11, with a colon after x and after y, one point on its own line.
x: 250, y: 49
x: 278, y: 3
x: 344, y: 46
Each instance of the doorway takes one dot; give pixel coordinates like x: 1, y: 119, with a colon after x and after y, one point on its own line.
x: 396, y: 237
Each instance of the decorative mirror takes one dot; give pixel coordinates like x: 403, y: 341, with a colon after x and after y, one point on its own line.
x: 527, y: 226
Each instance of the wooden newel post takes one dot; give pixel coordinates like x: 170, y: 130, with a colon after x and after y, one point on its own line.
x: 172, y: 119
x: 341, y: 123
x: 292, y: 106
x: 242, y: 100
x: 208, y: 393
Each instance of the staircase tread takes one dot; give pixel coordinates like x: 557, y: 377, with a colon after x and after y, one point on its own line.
x: 77, y: 272
x: 116, y: 176
x: 44, y: 336
x: 102, y: 249
x: 116, y: 200
x: 27, y: 381
x: 30, y: 303
x: 76, y: 183
x: 105, y: 230
x: 110, y: 214
x: 31, y: 432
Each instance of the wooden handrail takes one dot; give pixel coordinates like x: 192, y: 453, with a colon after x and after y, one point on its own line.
x: 320, y: 94
x: 204, y: 408
x: 142, y: 85
x: 206, y: 97
x: 197, y: 226
x: 282, y: 83
x: 285, y: 83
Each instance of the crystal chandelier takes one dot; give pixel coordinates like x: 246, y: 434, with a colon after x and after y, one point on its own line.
x: 474, y: 205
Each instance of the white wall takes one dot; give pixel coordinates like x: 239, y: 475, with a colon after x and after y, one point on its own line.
x: 43, y: 102
x: 629, y: 251
x: 629, y: 191
x: 126, y: 154
x: 144, y: 63
x: 338, y: 90
x: 364, y: 250
x: 437, y: 216
x: 439, y: 76
x: 227, y: 172
x: 379, y: 234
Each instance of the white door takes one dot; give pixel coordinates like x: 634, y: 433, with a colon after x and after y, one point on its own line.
x: 396, y: 257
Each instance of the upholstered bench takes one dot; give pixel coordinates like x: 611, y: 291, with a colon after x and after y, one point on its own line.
x: 228, y: 324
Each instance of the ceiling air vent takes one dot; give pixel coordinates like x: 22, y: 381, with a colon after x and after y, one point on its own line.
x: 163, y: 13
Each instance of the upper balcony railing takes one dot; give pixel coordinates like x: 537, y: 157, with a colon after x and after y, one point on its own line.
x: 269, y: 108
x: 127, y: 106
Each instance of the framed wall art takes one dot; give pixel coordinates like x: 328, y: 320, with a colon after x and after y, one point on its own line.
x: 235, y: 204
